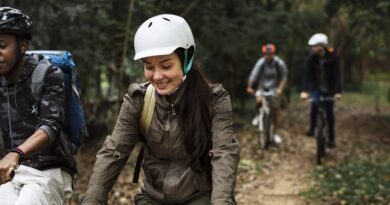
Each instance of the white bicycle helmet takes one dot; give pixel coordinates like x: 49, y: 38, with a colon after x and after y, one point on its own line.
x: 162, y: 35
x: 318, y: 38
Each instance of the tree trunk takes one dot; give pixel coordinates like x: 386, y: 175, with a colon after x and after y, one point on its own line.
x: 121, y: 85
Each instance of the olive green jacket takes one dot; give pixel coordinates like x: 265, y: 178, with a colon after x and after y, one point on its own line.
x: 168, y: 177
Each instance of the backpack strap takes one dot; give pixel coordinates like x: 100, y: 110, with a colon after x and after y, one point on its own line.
x: 278, y: 73
x: 148, y: 109
x: 37, y: 80
x: 145, y: 121
x: 138, y: 148
x: 74, y: 86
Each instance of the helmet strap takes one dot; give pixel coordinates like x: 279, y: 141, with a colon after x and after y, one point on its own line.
x: 187, y: 64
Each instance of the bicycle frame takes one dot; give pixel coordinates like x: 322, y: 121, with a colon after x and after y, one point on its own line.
x: 265, y: 119
x: 320, y: 128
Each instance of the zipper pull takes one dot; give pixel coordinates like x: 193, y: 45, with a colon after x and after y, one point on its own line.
x: 173, y: 110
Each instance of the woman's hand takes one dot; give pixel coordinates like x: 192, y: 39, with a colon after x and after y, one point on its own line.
x: 7, y: 165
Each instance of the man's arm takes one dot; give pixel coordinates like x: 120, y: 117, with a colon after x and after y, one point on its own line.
x: 337, y: 78
x: 284, y: 73
x: 254, y: 76
x: 36, y: 142
x: 33, y: 144
x: 49, y: 128
x: 305, y: 79
x: 52, y: 114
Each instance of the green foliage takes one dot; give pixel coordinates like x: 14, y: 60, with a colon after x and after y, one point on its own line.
x: 388, y: 95
x: 359, y: 31
x: 377, y: 87
x: 353, y: 182
x: 228, y: 35
x: 249, y: 165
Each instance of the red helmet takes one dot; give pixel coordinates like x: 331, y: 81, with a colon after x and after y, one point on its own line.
x: 268, y: 48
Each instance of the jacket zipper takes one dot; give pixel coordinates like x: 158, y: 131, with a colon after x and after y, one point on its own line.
x: 173, y: 113
x: 173, y: 110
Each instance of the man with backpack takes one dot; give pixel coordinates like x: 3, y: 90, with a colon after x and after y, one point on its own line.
x: 269, y: 74
x: 36, y: 166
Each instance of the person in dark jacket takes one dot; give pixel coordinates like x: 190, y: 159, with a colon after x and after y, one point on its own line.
x: 33, y: 166
x: 321, y: 78
x: 190, y: 153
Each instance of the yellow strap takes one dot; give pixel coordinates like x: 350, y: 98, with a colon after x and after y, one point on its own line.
x: 136, y: 155
x: 147, y: 110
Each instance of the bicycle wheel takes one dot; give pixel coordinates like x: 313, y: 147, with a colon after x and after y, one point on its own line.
x: 319, y: 135
x: 264, y: 134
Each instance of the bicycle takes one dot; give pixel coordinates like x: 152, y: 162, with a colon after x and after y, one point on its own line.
x: 321, y: 129
x: 265, y: 118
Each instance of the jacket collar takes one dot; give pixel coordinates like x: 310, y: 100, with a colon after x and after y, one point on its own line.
x: 176, y: 97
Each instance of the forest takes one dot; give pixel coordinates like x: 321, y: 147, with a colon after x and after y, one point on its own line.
x: 229, y: 35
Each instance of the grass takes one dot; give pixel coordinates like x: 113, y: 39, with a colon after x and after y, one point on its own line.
x: 352, y: 182
x: 249, y: 165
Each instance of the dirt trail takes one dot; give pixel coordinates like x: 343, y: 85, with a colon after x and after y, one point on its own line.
x: 276, y: 176
x: 285, y: 170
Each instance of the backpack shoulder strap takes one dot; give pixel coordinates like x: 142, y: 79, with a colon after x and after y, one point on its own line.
x: 278, y: 73
x: 37, y: 81
x: 37, y: 78
x: 148, y: 109
x: 145, y: 121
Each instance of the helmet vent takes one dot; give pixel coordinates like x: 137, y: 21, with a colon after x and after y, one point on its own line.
x: 167, y: 19
x: 150, y: 24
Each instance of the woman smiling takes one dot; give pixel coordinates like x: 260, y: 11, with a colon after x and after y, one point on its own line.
x: 190, y: 154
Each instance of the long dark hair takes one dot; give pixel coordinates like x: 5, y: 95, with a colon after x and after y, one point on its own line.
x: 195, y: 117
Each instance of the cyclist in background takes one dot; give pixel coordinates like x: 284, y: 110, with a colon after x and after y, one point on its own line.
x: 321, y: 78
x: 269, y: 73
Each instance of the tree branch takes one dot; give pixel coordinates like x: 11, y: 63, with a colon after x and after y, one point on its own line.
x: 189, y: 8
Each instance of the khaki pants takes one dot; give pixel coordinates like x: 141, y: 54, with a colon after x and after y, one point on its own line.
x: 145, y: 199
x: 34, y: 187
x: 274, y: 103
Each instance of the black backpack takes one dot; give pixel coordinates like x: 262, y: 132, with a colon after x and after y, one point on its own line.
x: 277, y: 66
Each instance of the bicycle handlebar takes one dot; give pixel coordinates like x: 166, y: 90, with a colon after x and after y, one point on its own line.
x: 265, y: 93
x: 322, y: 99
